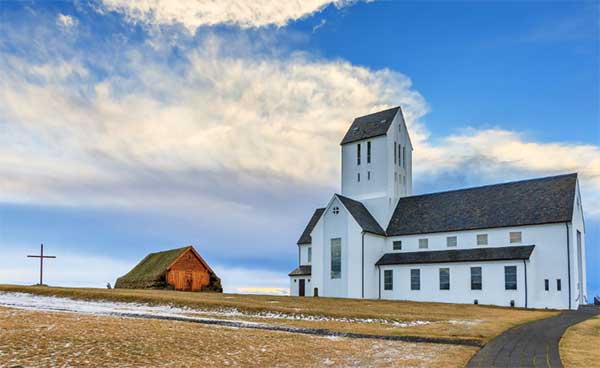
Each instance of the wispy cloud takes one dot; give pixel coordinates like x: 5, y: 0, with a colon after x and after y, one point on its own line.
x: 66, y: 21
x: 192, y: 14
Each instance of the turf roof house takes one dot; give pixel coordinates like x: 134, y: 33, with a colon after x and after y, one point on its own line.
x: 519, y: 243
x: 179, y: 269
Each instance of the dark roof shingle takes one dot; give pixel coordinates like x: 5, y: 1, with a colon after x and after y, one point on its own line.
x: 305, y: 237
x: 362, y: 215
x: 301, y: 271
x: 529, y: 202
x: 369, y: 126
x: 458, y: 255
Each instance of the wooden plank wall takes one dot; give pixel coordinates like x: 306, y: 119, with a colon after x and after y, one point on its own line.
x: 188, y: 273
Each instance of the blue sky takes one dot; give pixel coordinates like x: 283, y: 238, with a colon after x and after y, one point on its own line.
x: 129, y: 129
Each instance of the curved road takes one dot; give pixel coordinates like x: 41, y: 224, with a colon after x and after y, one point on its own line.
x: 533, y: 344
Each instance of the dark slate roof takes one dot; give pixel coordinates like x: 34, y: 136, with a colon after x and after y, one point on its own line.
x: 301, y: 271
x: 458, y: 255
x: 305, y: 237
x: 362, y: 215
x: 369, y: 126
x: 529, y: 202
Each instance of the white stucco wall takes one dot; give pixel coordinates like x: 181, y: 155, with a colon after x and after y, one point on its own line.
x: 303, y: 249
x: 493, y: 287
x: 295, y: 285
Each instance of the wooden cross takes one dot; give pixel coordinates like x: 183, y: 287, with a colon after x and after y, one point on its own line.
x: 41, y: 257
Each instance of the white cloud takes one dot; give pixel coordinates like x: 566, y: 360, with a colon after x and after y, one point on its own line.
x: 268, y: 120
x: 497, y: 155
x: 66, y: 21
x: 195, y: 13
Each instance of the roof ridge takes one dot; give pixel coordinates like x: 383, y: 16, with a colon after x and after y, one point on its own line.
x: 491, y: 185
x: 378, y: 112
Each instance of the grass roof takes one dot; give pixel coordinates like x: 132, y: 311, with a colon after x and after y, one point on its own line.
x: 151, y: 269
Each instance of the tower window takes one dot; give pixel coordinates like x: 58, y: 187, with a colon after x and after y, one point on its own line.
x: 358, y: 154
x: 368, y: 152
x: 336, y: 210
x: 451, y: 241
x: 404, y: 157
x: 515, y: 237
x: 395, y: 150
x: 368, y: 175
x: 423, y: 243
x: 358, y: 177
x: 397, y: 245
x: 399, y: 155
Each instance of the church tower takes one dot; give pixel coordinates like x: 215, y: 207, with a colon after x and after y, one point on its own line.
x: 377, y: 162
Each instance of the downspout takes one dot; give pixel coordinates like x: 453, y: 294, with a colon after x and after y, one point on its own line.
x: 363, y: 266
x: 569, y: 261
x: 525, y: 265
x: 379, y: 281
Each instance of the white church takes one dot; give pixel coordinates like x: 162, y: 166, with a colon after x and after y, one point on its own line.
x: 518, y: 244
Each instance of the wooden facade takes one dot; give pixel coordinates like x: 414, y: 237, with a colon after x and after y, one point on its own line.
x: 188, y: 272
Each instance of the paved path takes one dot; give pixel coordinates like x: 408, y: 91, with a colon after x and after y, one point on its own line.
x: 534, y: 344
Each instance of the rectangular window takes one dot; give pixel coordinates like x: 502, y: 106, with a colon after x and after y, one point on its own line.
x: 336, y: 258
x: 397, y: 245
x: 482, y: 239
x: 399, y: 155
x: 309, y: 254
x: 395, y: 150
x: 475, y: 278
x: 358, y: 177
x: 515, y: 237
x: 368, y: 175
x: 368, y: 152
x: 451, y: 241
x: 444, y: 279
x: 510, y: 277
x: 558, y: 285
x: 423, y: 243
x: 358, y: 154
x: 415, y: 279
x: 388, y: 280
x: 404, y: 157
x: 546, y: 284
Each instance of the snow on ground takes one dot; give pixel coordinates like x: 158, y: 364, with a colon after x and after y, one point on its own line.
x: 52, y: 303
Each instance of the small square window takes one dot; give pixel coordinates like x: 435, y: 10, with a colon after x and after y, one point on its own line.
x: 423, y: 243
x: 397, y: 245
x: 482, y: 239
x: 451, y: 241
x: 515, y: 237
x: 335, y: 210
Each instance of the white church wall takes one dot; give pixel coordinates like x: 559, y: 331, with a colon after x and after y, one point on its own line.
x: 578, y: 257
x: 303, y: 249
x: 335, y: 226
x: 295, y: 285
x: 548, y: 260
x: 493, y: 286
x: 374, y: 246
x: 318, y: 250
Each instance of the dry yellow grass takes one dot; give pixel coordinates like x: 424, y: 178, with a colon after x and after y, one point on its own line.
x: 43, y: 339
x: 579, y: 345
x: 449, y: 320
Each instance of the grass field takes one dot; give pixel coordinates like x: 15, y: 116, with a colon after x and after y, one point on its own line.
x: 579, y: 345
x: 445, y: 320
x: 91, y: 340
x: 42, y: 339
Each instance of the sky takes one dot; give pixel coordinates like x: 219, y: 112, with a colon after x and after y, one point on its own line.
x: 133, y: 127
